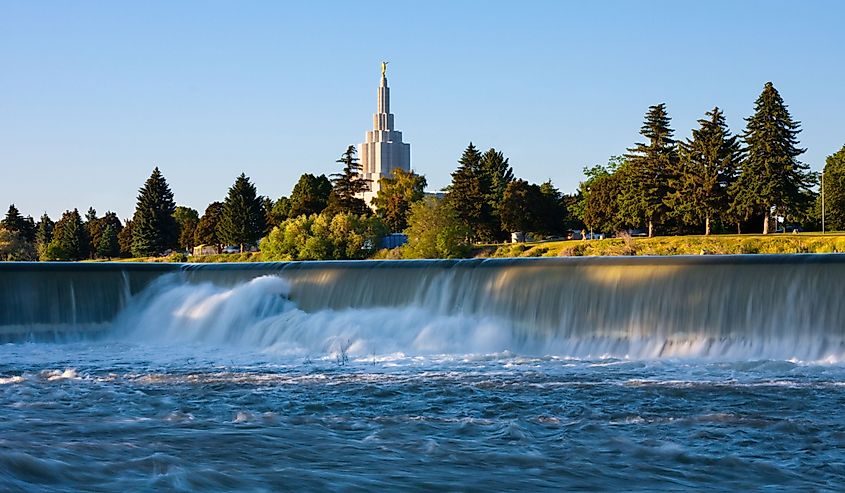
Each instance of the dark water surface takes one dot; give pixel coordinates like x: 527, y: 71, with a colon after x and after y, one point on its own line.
x: 108, y: 416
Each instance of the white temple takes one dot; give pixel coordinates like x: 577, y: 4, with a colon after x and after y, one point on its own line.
x: 382, y: 150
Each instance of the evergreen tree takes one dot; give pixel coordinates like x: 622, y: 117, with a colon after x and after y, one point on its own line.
x: 469, y: 197
x: 94, y: 229
x: 242, y: 221
x: 772, y: 180
x: 43, y: 234
x: 708, y: 166
x: 310, y: 195
x: 347, y: 186
x: 396, y: 195
x: 267, y: 206
x: 70, y: 239
x: 14, y: 222
x: 206, y: 232
x: 499, y: 174
x: 96, y: 226
x: 108, y: 246
x: 154, y: 229
x: 651, y: 166
x: 834, y: 192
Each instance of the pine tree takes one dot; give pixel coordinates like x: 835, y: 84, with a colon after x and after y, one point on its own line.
x: 13, y: 220
x: 108, y: 246
x: 347, y: 186
x: 70, y: 240
x: 154, y: 229
x: 109, y: 219
x: 707, y: 167
x: 243, y: 219
x: 499, y: 173
x: 43, y: 234
x: 94, y: 229
x: 469, y: 196
x: 23, y: 226
x: 772, y: 180
x: 651, y: 166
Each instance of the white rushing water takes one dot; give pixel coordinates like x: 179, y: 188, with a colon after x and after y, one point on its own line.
x: 260, y: 314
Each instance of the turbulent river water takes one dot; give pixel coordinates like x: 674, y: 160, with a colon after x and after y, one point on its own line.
x: 617, y: 376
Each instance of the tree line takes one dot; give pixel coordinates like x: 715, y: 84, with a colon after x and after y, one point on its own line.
x: 711, y: 181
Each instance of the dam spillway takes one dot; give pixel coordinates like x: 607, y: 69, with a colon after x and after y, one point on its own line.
x: 589, y: 374
x: 764, y: 305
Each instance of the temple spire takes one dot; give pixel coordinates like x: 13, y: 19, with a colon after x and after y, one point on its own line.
x: 383, y: 150
x: 383, y: 119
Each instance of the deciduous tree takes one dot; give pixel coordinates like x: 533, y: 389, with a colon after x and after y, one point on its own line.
x: 206, y: 232
x: 521, y: 207
x: 310, y: 195
x: 435, y: 231
x: 396, y: 195
x: 186, y: 219
x: 834, y: 191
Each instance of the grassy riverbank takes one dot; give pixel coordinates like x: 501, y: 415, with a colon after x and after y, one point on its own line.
x: 675, y: 245
x: 661, y: 245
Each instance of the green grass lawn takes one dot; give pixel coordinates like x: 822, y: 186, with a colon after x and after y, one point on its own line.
x: 675, y: 245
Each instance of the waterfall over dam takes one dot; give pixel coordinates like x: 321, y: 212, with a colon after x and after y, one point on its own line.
x: 777, y: 306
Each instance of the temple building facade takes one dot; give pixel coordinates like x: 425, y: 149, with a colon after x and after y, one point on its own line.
x: 382, y: 150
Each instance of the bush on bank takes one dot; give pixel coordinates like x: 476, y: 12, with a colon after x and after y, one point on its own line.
x: 323, y: 237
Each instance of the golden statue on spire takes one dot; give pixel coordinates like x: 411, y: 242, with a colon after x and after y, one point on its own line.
x: 384, y: 68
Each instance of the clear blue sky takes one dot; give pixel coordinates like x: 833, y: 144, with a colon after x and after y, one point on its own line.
x: 94, y: 94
